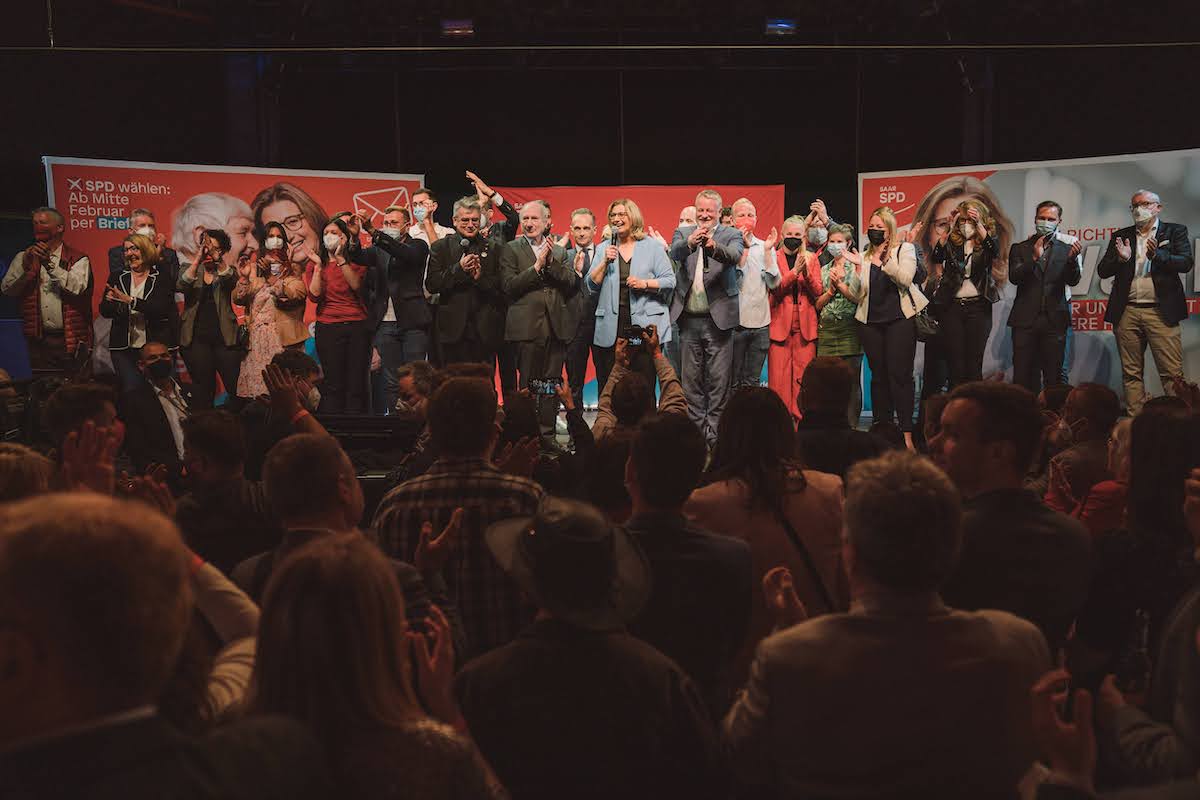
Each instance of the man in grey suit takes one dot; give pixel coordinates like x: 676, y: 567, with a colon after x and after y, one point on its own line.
x: 542, y: 317
x: 901, y: 696
x: 706, y: 307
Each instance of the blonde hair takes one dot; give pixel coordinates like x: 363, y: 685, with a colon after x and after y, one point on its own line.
x: 984, y: 217
x: 888, y: 217
x: 796, y: 219
x: 146, y: 247
x: 637, y: 224
x: 967, y: 186
x: 24, y: 472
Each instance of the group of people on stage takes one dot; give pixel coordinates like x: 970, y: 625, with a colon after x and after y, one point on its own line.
x: 720, y: 300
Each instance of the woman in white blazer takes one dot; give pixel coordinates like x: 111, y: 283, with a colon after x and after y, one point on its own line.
x: 891, y: 298
x: 633, y: 281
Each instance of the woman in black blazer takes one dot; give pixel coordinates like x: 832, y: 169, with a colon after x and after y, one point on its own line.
x: 138, y: 301
x: 965, y: 290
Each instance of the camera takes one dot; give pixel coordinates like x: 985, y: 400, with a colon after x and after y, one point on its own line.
x: 633, y: 336
x: 547, y: 387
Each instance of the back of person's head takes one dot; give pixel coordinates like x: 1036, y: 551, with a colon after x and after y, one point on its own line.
x: 902, y: 521
x: 24, y: 472
x: 424, y: 376
x: 520, y: 418
x: 1008, y: 413
x: 827, y: 385
x: 330, y: 650
x: 605, y: 484
x: 306, y: 475
x: 632, y: 399
x: 462, y: 417
x: 1164, y: 447
x: 1166, y: 404
x: 76, y: 403
x: 667, y: 457
x: 215, y: 436
x: 888, y: 431
x: 95, y: 598
x: 756, y: 443
x: 1053, y: 398
x: 1091, y: 410
x: 296, y: 362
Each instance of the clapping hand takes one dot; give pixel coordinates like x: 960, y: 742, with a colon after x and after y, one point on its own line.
x: 580, y: 261
x: 1124, y: 250
x: 151, y: 489
x: 287, y: 393
x: 434, y: 654
x: 771, y: 240
x: 748, y: 236
x: 1070, y: 747
x: 1151, y: 247
x: 432, y: 553
x: 519, y: 459
x: 657, y: 237
x: 910, y: 235
x: 783, y: 604
x: 89, y: 456
x: 116, y: 295
x: 818, y: 208
x: 543, y: 255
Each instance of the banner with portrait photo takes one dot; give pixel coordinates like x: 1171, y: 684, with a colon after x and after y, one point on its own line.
x: 1095, y: 196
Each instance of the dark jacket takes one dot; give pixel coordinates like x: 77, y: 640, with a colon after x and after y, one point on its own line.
x: 1019, y: 556
x: 505, y: 230
x: 267, y: 758
x: 462, y: 299
x: 721, y: 280
x: 168, y: 267
x: 1172, y: 259
x: 148, y: 437
x: 227, y: 523
x: 541, y: 304
x: 157, y: 305
x: 829, y: 444
x: 954, y: 260
x: 1042, y: 283
x: 395, y: 271
x: 566, y: 712
x: 698, y: 575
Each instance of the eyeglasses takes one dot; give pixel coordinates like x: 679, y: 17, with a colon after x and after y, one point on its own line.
x: 294, y: 222
x: 1146, y: 204
x: 941, y: 225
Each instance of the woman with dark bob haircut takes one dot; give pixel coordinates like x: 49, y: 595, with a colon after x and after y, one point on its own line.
x: 334, y: 652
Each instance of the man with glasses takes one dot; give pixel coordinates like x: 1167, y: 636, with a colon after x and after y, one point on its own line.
x: 1146, y: 303
x: 464, y: 270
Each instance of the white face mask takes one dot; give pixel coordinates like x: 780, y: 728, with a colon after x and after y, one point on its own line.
x: 276, y: 268
x: 273, y: 242
x: 395, y: 233
x: 331, y: 242
x: 1142, y: 214
x: 419, y: 213
x: 967, y: 230
x: 146, y: 230
x: 835, y: 249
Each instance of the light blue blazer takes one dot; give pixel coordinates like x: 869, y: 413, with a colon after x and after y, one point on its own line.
x: 645, y: 308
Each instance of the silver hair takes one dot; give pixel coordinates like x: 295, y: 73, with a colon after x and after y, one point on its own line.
x: 713, y: 194
x: 545, y: 207
x: 468, y: 203
x: 204, y: 211
x: 140, y: 212
x: 743, y: 201
x: 1150, y: 192
x: 903, y: 521
x: 54, y: 212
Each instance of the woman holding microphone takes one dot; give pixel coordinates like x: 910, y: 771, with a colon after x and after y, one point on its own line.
x: 632, y: 279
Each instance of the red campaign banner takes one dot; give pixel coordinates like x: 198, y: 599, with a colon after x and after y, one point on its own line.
x: 660, y: 205
x: 904, y: 193
x: 96, y: 197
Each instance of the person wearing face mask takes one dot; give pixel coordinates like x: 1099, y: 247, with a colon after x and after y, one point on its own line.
x: 424, y: 204
x: 818, y: 224
x: 1088, y: 417
x: 338, y: 287
x: 400, y: 316
x: 837, y: 332
x: 208, y: 332
x: 153, y: 414
x: 1042, y: 267
x: 271, y: 290
x: 1146, y: 302
x: 965, y: 294
x: 138, y: 301
x: 891, y: 297
x: 793, y: 328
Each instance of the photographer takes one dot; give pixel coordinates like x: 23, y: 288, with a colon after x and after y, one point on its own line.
x: 627, y: 396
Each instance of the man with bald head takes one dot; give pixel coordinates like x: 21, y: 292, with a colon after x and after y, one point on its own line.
x: 95, y: 602
x: 542, y: 319
x: 1146, y: 302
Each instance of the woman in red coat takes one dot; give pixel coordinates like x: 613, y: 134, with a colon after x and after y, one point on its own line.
x: 793, y: 314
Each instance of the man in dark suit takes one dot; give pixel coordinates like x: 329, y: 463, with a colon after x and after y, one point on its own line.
x: 705, y: 305
x: 500, y: 232
x: 579, y: 257
x: 398, y: 312
x: 464, y: 270
x: 153, y: 414
x: 1042, y: 267
x: 1146, y: 303
x: 541, y: 286
x: 83, y: 669
x: 1017, y: 555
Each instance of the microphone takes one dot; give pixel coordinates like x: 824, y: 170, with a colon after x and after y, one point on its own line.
x: 614, y: 238
x: 465, y: 243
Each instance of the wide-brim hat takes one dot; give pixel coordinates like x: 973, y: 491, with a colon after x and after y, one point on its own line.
x: 572, y: 533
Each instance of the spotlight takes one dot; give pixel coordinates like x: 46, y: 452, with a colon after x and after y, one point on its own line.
x: 780, y: 26
x: 458, y: 28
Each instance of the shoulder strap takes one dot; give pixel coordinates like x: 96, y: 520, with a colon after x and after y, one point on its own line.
x: 798, y: 543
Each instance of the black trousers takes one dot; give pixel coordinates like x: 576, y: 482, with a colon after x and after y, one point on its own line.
x: 345, y: 352
x: 205, y: 360
x: 542, y: 359
x: 469, y: 349
x: 577, y: 357
x: 965, y: 328
x: 1038, y: 353
x: 891, y: 349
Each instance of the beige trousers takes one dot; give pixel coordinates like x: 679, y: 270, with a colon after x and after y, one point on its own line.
x: 1137, y: 328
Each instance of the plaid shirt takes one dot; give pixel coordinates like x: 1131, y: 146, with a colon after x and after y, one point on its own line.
x: 492, y: 607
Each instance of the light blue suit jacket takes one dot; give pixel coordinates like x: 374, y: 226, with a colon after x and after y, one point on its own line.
x: 645, y: 308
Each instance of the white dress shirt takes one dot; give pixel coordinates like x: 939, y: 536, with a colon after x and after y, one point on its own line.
x: 73, y: 278
x: 418, y: 232
x: 137, y: 320
x: 175, y: 407
x: 760, y: 273
x: 1141, y: 289
x: 697, y: 301
x: 968, y: 287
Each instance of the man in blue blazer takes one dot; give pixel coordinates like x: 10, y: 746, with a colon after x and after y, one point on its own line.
x: 705, y: 305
